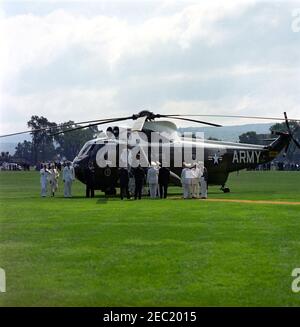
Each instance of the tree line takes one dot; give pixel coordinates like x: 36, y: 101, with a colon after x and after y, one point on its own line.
x: 46, y: 146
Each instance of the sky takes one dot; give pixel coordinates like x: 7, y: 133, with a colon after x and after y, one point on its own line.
x: 82, y: 60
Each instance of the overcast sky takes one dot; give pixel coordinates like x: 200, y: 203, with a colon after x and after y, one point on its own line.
x: 78, y: 60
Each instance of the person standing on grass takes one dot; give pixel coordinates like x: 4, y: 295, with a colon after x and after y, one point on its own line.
x: 203, y: 181
x: 163, y: 180
x: 186, y: 181
x: 53, y: 179
x: 152, y: 179
x: 195, y: 175
x: 124, y: 181
x: 68, y: 178
x: 90, y: 180
x: 139, y: 178
x: 44, y: 172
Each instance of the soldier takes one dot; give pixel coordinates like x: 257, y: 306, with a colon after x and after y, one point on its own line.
x: 68, y: 178
x: 124, y: 181
x: 139, y: 178
x: 90, y: 180
x: 152, y: 179
x: 163, y: 180
x: 53, y: 179
x: 44, y: 180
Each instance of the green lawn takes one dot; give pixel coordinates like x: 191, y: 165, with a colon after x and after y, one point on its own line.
x: 98, y: 252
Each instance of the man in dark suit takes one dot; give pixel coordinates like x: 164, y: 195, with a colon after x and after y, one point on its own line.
x: 163, y: 180
x: 90, y: 181
x: 124, y: 180
x: 139, y: 176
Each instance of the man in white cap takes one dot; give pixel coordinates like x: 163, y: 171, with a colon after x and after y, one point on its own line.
x: 44, y: 172
x: 53, y: 179
x: 152, y: 179
x: 68, y: 178
x: 195, y: 172
x: 186, y: 180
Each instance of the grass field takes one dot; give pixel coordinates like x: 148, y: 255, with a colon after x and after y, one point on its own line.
x: 98, y: 252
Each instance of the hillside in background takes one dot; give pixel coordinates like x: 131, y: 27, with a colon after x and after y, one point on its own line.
x: 229, y: 133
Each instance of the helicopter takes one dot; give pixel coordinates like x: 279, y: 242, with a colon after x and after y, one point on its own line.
x: 219, y: 157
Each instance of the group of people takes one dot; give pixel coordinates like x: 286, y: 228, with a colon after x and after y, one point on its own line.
x: 194, y: 179
x: 49, y: 174
x: 132, y: 181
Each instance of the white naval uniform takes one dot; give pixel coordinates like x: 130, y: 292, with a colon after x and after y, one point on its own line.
x: 53, y: 179
x: 186, y: 182
x: 152, y: 179
x: 195, y: 172
x: 44, y: 181
x: 203, y: 186
x: 68, y: 177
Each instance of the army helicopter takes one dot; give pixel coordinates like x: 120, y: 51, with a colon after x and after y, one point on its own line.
x: 220, y: 157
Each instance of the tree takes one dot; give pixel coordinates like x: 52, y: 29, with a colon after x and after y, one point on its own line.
x: 70, y: 143
x: 24, y: 151
x: 42, y: 141
x: 249, y: 137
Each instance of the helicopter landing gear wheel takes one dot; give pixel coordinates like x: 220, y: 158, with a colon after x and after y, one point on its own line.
x: 225, y: 189
x: 110, y: 191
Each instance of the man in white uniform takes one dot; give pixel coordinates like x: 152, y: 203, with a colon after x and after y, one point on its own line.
x: 44, y: 180
x: 203, y: 181
x: 53, y: 179
x: 186, y: 177
x: 152, y: 179
x: 195, y: 172
x: 68, y: 178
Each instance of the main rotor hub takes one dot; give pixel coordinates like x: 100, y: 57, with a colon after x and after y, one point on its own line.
x: 145, y: 113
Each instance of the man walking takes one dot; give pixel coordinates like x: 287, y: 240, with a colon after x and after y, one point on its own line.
x: 44, y: 172
x: 163, y: 180
x: 53, y: 179
x: 68, y: 178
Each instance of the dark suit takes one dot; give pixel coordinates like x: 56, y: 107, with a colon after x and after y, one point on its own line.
x: 124, y: 179
x: 139, y: 177
x: 90, y: 182
x: 163, y: 180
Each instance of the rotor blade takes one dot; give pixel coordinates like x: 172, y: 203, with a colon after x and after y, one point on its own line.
x: 290, y: 131
x: 90, y: 125
x: 231, y: 116
x: 192, y: 120
x: 60, y: 126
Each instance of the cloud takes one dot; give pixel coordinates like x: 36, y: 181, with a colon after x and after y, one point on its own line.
x: 69, y: 62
